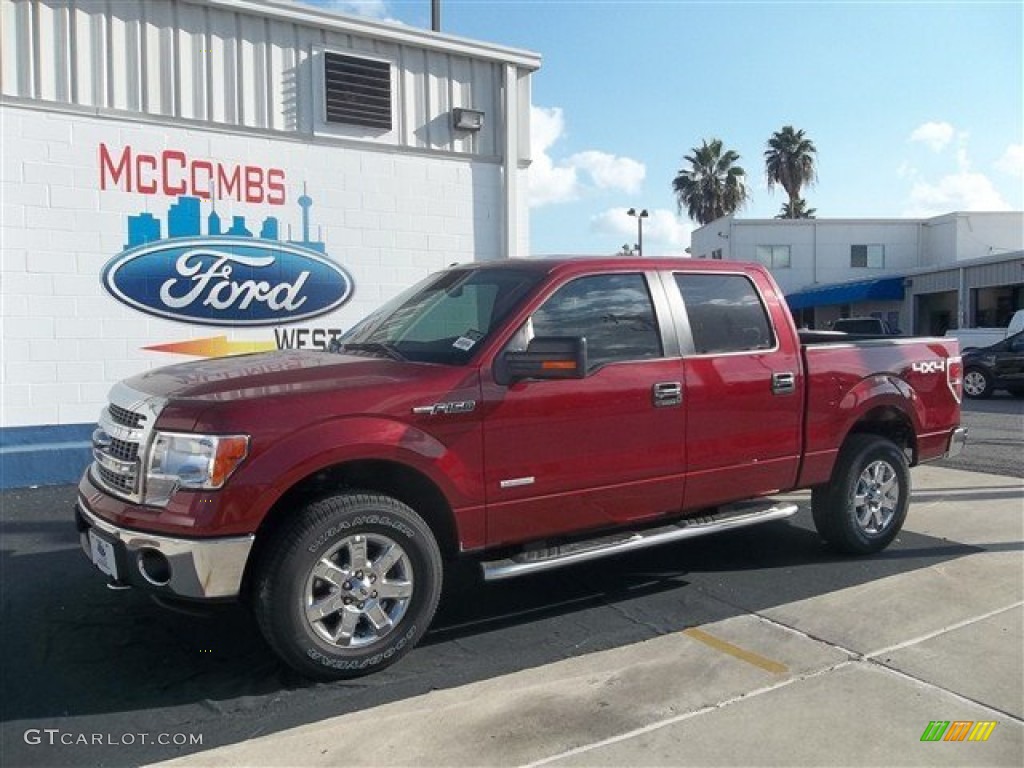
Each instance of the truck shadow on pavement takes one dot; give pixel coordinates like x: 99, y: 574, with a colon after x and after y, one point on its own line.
x: 77, y: 655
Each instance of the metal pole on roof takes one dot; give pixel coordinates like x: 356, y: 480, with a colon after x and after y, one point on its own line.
x: 640, y: 216
x: 435, y: 15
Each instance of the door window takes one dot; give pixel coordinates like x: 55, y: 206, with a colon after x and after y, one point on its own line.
x: 613, y: 312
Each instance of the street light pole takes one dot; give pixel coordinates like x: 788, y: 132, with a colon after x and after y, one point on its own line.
x: 640, y: 216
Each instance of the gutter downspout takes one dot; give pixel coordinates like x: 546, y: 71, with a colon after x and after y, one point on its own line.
x: 961, y: 299
x: 510, y: 165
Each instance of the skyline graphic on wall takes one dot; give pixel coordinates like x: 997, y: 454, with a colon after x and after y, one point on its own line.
x: 184, y: 219
x: 197, y: 268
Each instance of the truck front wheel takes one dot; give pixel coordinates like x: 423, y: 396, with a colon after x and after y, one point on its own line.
x: 349, y: 586
x: 863, y: 507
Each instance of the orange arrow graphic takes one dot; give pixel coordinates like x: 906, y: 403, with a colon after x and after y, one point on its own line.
x: 215, y: 346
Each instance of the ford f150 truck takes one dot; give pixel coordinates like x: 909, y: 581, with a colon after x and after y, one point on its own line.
x: 528, y: 414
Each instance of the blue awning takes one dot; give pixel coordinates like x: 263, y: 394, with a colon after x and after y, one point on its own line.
x: 879, y: 289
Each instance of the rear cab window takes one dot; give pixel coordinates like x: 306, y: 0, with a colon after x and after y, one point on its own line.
x: 725, y: 312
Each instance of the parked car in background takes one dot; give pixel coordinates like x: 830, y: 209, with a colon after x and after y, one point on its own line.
x: 976, y: 338
x: 1000, y: 366
x: 864, y: 326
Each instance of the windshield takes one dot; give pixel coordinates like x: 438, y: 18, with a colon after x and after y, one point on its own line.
x: 444, y: 318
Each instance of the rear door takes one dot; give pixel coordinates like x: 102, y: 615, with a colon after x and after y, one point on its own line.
x: 743, y: 391
x: 569, y: 455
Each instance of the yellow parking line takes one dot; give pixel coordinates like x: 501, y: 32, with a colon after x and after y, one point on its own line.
x: 734, y: 650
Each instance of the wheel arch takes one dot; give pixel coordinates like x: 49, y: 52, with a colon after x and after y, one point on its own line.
x: 891, y: 422
x: 392, y: 478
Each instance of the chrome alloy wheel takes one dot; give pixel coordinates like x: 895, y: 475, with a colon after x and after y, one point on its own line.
x: 876, y: 497
x: 974, y: 383
x: 358, y: 592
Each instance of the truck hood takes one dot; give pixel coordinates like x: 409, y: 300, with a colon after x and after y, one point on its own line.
x: 292, y: 372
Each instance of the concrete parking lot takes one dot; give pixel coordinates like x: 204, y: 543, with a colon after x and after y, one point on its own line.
x: 757, y: 647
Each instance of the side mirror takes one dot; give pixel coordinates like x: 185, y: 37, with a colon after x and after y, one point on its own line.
x: 549, y: 357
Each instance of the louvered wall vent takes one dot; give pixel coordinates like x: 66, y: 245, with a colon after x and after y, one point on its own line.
x: 357, y: 91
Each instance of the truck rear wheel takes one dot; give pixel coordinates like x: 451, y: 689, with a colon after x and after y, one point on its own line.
x: 349, y: 586
x: 864, y: 506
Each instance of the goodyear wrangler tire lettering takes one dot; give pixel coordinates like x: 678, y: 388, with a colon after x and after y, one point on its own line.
x: 348, y: 586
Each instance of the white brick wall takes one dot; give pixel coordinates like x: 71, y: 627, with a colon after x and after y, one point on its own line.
x: 387, y: 218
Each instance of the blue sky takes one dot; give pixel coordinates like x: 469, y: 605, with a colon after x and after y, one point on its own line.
x: 916, y: 108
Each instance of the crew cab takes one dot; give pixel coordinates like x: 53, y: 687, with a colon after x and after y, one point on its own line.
x: 527, y: 414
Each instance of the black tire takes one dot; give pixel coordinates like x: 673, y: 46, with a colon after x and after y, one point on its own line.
x: 359, y: 630
x: 978, y: 384
x: 876, y: 469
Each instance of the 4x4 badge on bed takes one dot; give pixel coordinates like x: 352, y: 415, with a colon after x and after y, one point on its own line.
x: 932, y: 366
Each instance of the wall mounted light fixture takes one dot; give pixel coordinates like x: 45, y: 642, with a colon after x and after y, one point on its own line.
x: 465, y: 119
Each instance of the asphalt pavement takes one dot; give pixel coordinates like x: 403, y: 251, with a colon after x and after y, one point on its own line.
x: 996, y: 440
x: 755, y: 647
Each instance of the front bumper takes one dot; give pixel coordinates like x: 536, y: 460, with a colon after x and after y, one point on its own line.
x: 957, y: 441
x: 201, y: 569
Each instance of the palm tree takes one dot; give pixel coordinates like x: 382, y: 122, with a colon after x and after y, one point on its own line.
x: 713, y: 186
x: 790, y: 162
x: 798, y: 211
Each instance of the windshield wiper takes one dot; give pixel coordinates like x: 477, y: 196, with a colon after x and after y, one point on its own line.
x: 374, y: 347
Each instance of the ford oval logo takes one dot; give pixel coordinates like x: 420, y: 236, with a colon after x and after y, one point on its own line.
x: 227, y: 281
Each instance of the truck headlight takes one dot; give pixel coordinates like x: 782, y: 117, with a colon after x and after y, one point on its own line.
x: 202, y: 462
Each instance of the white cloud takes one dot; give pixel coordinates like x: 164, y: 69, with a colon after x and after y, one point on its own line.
x: 560, y: 181
x: 965, y: 190
x: 906, y: 171
x: 549, y: 184
x: 664, y: 233
x: 934, y: 135
x: 1012, y: 160
x: 610, y: 171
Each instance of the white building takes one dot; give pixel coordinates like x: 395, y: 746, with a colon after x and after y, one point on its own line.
x: 204, y: 177
x: 830, y: 268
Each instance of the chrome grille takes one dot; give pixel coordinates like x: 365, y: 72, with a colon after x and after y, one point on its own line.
x: 123, y: 450
x: 116, y: 481
x: 119, y: 443
x: 124, y: 417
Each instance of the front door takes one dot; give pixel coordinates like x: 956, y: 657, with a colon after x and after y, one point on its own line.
x: 568, y: 455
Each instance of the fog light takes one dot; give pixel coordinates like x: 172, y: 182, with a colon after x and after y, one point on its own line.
x: 154, y: 567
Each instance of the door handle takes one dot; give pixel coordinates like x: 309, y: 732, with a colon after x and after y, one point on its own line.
x: 667, y: 393
x: 783, y: 383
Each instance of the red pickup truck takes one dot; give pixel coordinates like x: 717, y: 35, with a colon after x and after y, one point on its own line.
x: 528, y: 414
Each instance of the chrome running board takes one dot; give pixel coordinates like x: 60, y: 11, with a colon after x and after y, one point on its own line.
x: 537, y: 560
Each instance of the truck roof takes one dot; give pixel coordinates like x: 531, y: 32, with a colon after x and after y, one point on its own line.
x: 587, y: 263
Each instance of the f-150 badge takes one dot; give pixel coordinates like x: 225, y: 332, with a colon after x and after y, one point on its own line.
x: 461, y: 406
